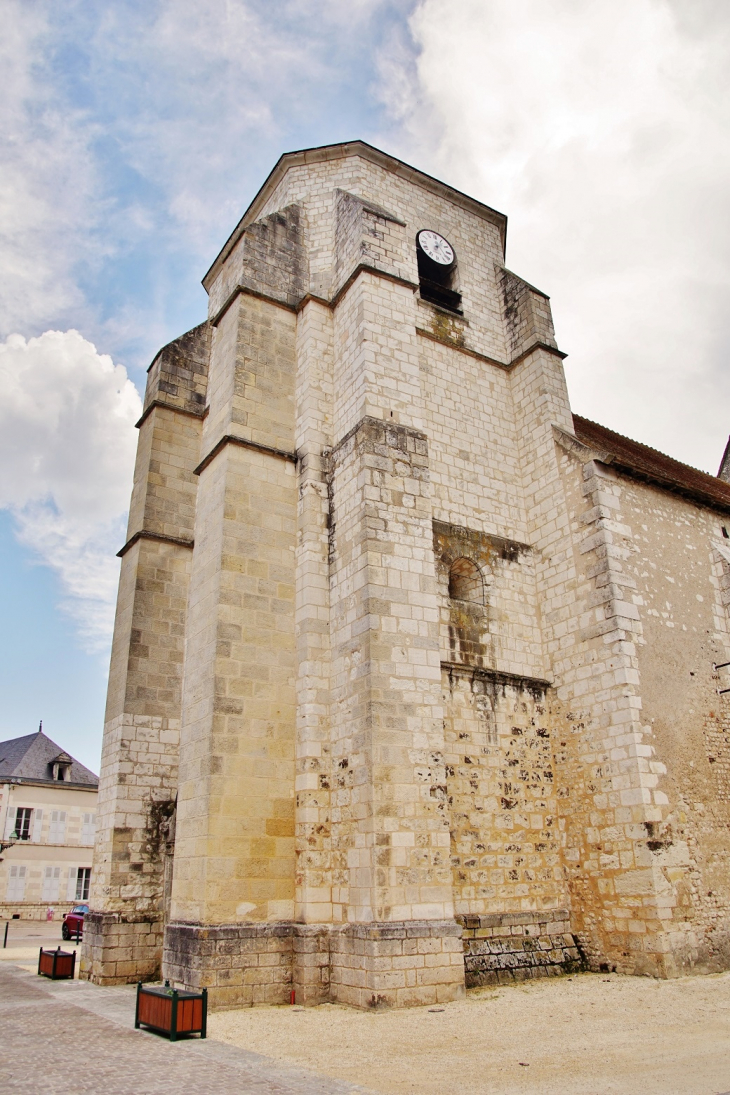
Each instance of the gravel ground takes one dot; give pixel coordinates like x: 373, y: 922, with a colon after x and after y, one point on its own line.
x: 592, y: 1034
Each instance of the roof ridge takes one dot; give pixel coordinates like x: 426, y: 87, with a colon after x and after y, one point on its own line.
x: 649, y: 448
x: 641, y: 461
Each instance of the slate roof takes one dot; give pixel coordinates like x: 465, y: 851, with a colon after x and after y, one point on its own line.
x: 31, y: 757
x: 641, y: 462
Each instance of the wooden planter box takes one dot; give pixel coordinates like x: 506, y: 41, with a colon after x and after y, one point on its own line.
x: 57, y: 964
x: 171, y: 1011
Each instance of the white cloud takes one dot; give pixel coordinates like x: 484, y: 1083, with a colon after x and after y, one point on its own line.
x: 221, y: 81
x: 601, y: 130
x: 67, y: 445
x: 49, y: 198
x: 127, y: 137
x: 133, y: 135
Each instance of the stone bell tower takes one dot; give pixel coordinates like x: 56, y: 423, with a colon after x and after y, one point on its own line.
x: 331, y: 496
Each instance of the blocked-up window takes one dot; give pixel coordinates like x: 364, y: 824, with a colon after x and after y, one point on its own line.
x: 16, y: 884
x: 88, y: 829
x: 79, y: 881
x: 51, y: 882
x: 57, y: 829
x: 466, y: 582
x: 22, y: 825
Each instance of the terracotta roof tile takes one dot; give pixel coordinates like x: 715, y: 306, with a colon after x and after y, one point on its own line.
x: 641, y: 462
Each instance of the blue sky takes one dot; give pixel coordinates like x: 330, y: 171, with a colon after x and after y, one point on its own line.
x: 135, y: 134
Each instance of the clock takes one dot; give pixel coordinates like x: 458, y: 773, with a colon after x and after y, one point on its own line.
x: 436, y: 248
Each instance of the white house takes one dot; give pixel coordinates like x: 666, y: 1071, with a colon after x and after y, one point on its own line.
x: 47, y: 822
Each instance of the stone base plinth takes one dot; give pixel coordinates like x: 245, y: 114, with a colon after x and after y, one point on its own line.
x: 402, y: 964
x: 504, y: 947
x: 240, y: 964
x: 32, y: 910
x: 117, y: 950
x: 311, y: 956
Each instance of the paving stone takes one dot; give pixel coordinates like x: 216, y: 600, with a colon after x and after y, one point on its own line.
x: 71, y: 1037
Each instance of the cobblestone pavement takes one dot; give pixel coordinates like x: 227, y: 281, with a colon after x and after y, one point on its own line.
x: 70, y: 1038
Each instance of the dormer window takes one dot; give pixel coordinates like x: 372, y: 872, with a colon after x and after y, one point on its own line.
x: 61, y: 767
x: 437, y: 270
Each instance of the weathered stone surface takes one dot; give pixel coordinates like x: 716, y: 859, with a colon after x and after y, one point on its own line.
x: 499, y: 948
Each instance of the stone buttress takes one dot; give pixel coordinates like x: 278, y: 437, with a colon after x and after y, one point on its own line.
x: 138, y: 782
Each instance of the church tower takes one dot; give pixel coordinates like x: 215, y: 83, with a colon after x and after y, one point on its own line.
x: 342, y: 754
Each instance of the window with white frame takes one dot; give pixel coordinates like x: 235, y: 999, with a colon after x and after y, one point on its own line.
x: 51, y: 882
x: 88, y: 829
x: 16, y: 883
x: 57, y: 830
x: 22, y: 825
x: 79, y: 880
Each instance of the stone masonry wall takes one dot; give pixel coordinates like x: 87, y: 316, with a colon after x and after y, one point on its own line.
x: 629, y: 884
x: 506, y: 850
x: 677, y: 563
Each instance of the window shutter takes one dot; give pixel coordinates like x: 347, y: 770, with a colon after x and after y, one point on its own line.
x: 89, y: 826
x: 51, y: 879
x: 16, y: 883
x: 71, y: 888
x: 57, y: 831
x: 37, y: 825
x: 47, y: 884
x: 9, y: 822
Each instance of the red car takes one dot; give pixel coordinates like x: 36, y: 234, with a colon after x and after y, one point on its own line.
x: 73, y: 922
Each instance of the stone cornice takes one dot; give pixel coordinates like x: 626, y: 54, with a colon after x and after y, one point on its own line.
x: 495, y: 676
x: 168, y: 407
x: 460, y: 348
x: 361, y: 268
x: 490, y: 360
x: 247, y: 291
x: 144, y: 534
x: 366, y: 268
x: 61, y: 784
x: 379, y: 423
x: 537, y: 345
x: 245, y: 443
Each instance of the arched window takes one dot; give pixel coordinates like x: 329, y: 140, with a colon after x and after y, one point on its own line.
x: 466, y: 582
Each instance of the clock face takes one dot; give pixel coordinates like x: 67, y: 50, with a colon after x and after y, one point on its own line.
x: 436, y: 247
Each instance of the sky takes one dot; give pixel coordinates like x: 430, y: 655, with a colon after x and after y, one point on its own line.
x: 132, y: 137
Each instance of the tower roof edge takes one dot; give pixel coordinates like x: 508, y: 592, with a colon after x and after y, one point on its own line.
x: 338, y: 152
